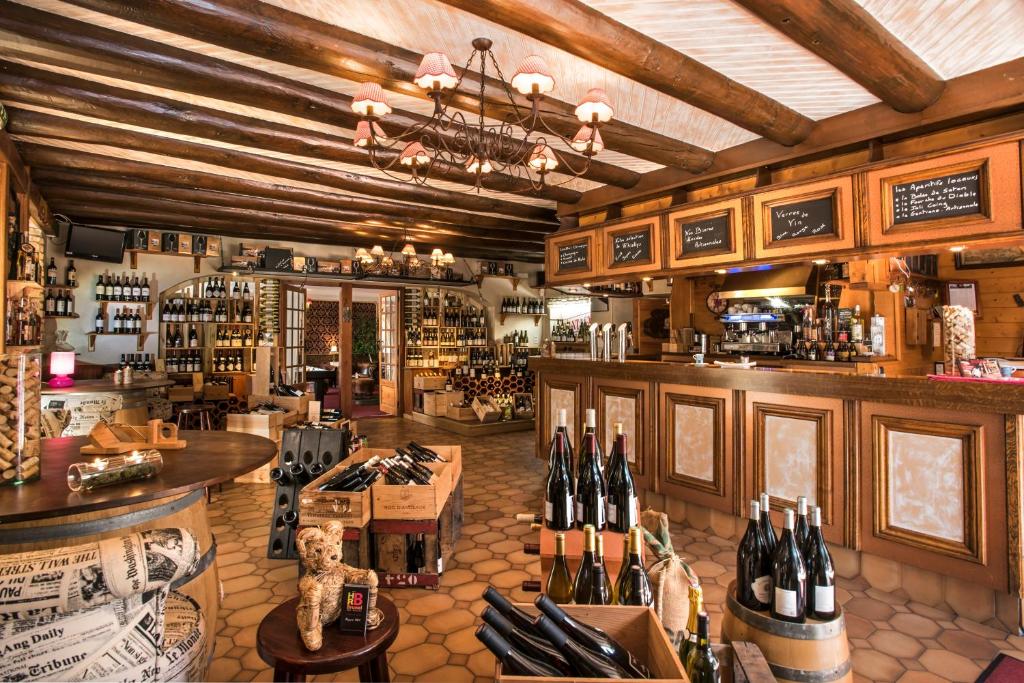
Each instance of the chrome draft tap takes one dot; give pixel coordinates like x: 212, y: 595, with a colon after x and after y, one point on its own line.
x: 593, y: 341
x: 622, y: 344
x: 606, y: 342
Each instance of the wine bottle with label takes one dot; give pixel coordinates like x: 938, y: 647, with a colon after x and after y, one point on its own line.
x: 590, y: 427
x: 821, y: 575
x: 689, y: 641
x: 789, y: 577
x: 587, y: 663
x: 592, y: 638
x: 634, y: 588
x: 753, y: 565
x: 584, y: 575
x: 560, y: 585
x: 622, y: 507
x: 767, y: 530
x: 519, y: 618
x: 513, y: 662
x: 531, y: 646
x: 702, y: 665
x: 802, y: 528
x: 558, y: 498
x: 600, y: 561
x: 590, y: 486
x: 561, y: 432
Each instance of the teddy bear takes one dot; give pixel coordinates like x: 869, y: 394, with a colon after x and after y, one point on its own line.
x: 326, y: 575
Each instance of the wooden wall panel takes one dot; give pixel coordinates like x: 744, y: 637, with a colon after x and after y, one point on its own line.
x: 629, y: 402
x: 696, y: 447
x: 1000, y: 329
x: 558, y: 391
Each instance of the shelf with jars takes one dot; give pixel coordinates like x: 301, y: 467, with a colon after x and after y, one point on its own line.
x: 209, y: 325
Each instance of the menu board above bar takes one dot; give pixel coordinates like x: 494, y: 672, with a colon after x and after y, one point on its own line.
x: 574, y: 256
x: 928, y: 199
x: 708, y: 234
x: 632, y: 247
x: 808, y: 218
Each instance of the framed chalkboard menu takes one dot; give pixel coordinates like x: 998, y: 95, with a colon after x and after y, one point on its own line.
x: 633, y: 246
x: 571, y: 257
x: 803, y: 219
x: 706, y: 234
x: 574, y: 256
x: 946, y: 196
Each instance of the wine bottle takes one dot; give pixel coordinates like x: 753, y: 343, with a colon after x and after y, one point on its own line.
x: 591, y: 638
x: 590, y: 486
x: 581, y: 585
x: 607, y: 578
x: 821, y: 575
x: 513, y: 662
x: 521, y: 620
x: 801, y: 530
x: 585, y: 662
x: 600, y: 589
x: 689, y: 642
x: 753, y: 565
x: 622, y: 508
x: 789, y: 577
x: 280, y: 477
x: 702, y: 665
x: 560, y: 586
x: 590, y: 427
x: 531, y: 646
x: 767, y: 530
x: 635, y: 586
x: 558, y: 498
x: 561, y: 432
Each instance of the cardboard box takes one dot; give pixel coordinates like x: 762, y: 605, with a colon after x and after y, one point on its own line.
x: 298, y: 404
x: 213, y: 246
x: 216, y: 392
x: 436, y: 402
x: 528, y: 411
x: 486, y: 409
x: 461, y: 413
x: 430, y: 382
x: 185, y: 244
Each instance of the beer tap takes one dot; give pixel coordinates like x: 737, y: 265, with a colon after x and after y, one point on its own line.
x: 606, y: 342
x: 621, y: 339
x: 593, y: 340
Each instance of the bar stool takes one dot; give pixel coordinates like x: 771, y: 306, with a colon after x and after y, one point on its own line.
x: 203, y: 410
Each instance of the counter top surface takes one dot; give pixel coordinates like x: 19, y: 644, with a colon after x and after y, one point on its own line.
x: 210, y: 458
x: 906, y: 390
x: 105, y: 386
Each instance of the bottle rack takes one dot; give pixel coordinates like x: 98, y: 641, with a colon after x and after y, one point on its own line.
x: 438, y: 345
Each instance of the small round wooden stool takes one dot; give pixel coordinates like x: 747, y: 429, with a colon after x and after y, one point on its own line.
x: 203, y: 410
x: 280, y: 645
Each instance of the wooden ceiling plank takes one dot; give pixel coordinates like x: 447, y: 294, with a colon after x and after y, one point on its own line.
x: 288, y: 37
x: 89, y: 164
x: 29, y: 85
x: 84, y: 47
x: 587, y: 33
x: 967, y: 98
x: 849, y: 38
x: 33, y: 123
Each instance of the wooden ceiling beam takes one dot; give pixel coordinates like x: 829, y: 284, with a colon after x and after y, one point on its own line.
x: 26, y: 122
x: 846, y: 36
x: 28, y: 85
x: 61, y: 178
x: 978, y: 95
x: 51, y: 39
x: 87, y: 164
x: 288, y: 37
x: 587, y: 33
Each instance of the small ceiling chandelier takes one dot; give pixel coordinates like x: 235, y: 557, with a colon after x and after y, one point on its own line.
x: 376, y: 261
x: 517, y: 146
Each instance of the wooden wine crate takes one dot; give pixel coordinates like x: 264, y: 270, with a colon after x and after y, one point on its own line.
x: 636, y: 628
x: 429, y: 382
x: 298, y: 404
x: 350, y: 508
x: 486, y: 409
x: 269, y: 425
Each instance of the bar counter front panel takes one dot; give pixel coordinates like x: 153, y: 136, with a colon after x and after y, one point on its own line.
x: 920, y: 472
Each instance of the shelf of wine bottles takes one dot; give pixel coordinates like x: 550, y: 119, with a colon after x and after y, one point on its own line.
x: 441, y: 327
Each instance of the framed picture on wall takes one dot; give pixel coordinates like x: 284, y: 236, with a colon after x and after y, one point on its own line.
x: 963, y: 293
x: 992, y: 257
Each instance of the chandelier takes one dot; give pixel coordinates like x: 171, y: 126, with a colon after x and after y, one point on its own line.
x: 376, y: 261
x: 448, y: 141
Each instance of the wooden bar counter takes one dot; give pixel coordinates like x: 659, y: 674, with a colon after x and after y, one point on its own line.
x: 47, y: 514
x: 919, y: 480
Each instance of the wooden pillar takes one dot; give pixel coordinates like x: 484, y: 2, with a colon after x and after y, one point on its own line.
x: 345, y: 349
x: 681, y: 303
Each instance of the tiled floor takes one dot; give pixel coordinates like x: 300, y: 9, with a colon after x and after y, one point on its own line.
x: 892, y: 639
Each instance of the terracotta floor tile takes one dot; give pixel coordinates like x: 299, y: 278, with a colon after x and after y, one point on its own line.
x: 876, y: 666
x: 968, y: 645
x: 951, y: 665
x: 895, y: 644
x: 915, y: 625
x: 448, y: 621
x: 419, y: 659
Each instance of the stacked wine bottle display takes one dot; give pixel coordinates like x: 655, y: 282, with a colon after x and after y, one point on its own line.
x: 792, y: 576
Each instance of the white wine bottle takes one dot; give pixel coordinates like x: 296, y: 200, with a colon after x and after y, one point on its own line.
x: 560, y: 585
x: 581, y: 585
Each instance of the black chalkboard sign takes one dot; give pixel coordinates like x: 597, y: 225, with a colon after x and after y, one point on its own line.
x: 958, y: 194
x: 574, y: 256
x: 707, y: 234
x: 810, y: 218
x: 633, y: 246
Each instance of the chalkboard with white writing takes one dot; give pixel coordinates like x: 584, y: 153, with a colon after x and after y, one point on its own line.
x: 574, y: 256
x: 707, y: 234
x: 958, y: 194
x: 633, y: 246
x: 810, y: 218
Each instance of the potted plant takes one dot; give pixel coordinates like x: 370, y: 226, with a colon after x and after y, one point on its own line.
x: 364, y: 345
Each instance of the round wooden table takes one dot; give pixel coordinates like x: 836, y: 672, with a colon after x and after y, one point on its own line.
x: 280, y: 645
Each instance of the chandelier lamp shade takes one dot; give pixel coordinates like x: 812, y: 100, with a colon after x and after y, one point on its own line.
x: 496, y: 126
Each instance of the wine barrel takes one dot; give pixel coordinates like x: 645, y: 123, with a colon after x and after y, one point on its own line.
x: 814, y: 652
x: 187, y: 510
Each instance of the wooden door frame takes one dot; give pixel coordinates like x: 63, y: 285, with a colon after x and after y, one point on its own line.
x: 345, y: 343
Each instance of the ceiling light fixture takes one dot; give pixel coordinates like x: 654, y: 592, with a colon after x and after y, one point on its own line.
x: 518, y: 145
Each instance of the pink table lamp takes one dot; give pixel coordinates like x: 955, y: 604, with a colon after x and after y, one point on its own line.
x: 62, y: 365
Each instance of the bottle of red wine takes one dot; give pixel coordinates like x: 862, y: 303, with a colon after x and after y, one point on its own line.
x: 767, y: 530
x: 562, y: 432
x: 591, y: 638
x: 531, y: 646
x: 789, y: 577
x: 622, y: 507
x: 512, y: 660
x: 821, y: 575
x: 590, y: 427
x: 585, y: 662
x: 802, y: 529
x: 753, y: 565
x: 590, y: 486
x: 581, y: 586
x: 519, y: 618
x: 558, y: 498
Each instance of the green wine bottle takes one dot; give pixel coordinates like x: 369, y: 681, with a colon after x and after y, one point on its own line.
x: 581, y: 586
x: 702, y: 665
x: 560, y: 586
x: 634, y: 586
x: 689, y: 641
x: 604, y: 567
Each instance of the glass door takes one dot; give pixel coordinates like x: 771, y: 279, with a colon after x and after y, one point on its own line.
x: 387, y: 351
x: 293, y: 324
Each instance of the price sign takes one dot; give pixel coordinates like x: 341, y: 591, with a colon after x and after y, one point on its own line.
x: 574, y: 256
x: 958, y: 194
x: 809, y: 218
x: 632, y: 247
x: 707, y: 234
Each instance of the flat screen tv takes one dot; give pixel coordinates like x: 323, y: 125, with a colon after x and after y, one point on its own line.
x: 98, y: 244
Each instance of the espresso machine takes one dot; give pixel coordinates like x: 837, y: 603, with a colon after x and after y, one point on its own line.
x: 766, y: 333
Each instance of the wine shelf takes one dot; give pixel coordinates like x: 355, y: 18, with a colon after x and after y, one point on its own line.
x: 61, y: 317
x: 140, y: 338
x: 514, y: 279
